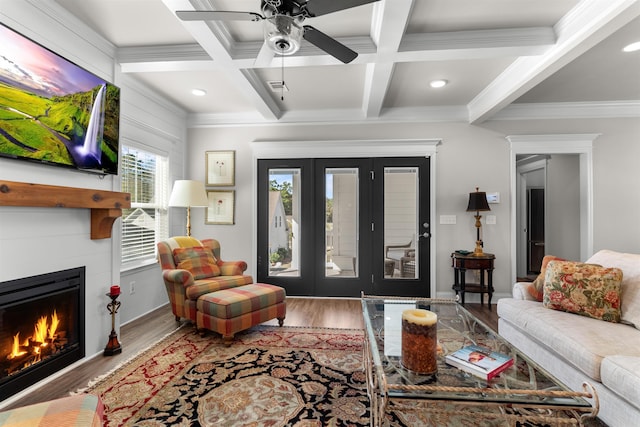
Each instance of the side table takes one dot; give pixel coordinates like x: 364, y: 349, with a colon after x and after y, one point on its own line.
x: 484, y: 263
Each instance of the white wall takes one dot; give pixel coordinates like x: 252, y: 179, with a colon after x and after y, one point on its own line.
x: 469, y: 156
x: 153, y: 125
x: 562, y: 206
x: 42, y: 240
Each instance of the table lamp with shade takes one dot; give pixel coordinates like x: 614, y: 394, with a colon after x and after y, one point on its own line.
x: 478, y: 203
x: 187, y: 194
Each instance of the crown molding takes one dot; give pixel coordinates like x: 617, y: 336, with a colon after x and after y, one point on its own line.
x: 534, y: 111
x: 570, y: 110
x: 332, y: 117
x: 265, y: 149
x: 552, y: 143
x: 72, y: 24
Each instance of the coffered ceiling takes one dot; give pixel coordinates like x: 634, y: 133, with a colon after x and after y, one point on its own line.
x: 501, y: 58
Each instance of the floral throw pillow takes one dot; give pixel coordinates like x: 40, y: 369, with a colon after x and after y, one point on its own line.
x: 198, y: 260
x: 536, y: 288
x: 586, y: 289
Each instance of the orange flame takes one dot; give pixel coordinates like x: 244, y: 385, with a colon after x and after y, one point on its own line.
x: 41, y: 334
x: 40, y: 331
x: 15, y: 349
x: 55, y: 321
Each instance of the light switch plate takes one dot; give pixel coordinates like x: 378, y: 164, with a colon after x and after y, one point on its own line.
x: 447, y: 219
x: 491, y: 219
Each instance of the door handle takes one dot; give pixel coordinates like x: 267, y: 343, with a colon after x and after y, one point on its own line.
x: 425, y: 235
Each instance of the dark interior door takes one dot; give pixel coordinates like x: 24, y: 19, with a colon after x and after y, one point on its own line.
x: 535, y: 230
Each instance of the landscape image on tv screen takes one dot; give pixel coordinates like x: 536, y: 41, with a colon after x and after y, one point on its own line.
x: 53, y: 111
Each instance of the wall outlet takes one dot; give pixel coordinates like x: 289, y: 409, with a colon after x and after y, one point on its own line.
x: 491, y: 219
x: 132, y: 287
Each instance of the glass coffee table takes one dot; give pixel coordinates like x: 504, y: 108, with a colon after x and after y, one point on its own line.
x: 524, y: 392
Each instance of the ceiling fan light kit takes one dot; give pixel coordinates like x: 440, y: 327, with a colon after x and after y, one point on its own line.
x: 283, y: 29
x: 283, y: 34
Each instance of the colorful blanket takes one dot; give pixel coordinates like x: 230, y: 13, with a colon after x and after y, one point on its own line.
x: 79, y: 410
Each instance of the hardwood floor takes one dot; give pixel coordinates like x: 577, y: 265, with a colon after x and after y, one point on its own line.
x: 145, y: 331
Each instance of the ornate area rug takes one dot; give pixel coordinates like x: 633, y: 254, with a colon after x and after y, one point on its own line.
x: 269, y: 376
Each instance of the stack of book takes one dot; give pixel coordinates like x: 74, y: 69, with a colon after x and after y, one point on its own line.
x: 479, y: 361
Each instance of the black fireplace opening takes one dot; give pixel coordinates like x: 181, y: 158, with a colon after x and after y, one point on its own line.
x: 41, y: 327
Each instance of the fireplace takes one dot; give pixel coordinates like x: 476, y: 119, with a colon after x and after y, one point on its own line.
x: 41, y: 327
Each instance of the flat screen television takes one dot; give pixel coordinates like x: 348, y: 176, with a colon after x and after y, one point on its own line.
x: 53, y: 111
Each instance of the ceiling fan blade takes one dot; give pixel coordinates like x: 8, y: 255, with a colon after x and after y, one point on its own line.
x: 265, y: 56
x: 328, y: 44
x: 322, y: 7
x: 216, y: 15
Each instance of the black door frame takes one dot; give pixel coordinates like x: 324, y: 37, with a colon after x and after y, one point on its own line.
x: 371, y: 274
x: 422, y: 285
x: 295, y: 285
x: 344, y: 286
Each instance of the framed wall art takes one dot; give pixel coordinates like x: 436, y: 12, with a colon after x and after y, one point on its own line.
x: 221, y: 209
x: 220, y: 168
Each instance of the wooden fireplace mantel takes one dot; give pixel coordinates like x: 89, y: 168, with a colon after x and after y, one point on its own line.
x: 106, y: 206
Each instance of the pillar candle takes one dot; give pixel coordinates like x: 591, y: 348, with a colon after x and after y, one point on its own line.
x: 419, y: 341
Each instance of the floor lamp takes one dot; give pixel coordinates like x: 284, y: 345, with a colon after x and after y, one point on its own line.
x: 478, y: 203
x: 188, y: 194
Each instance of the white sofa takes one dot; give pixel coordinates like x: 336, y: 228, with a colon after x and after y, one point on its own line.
x: 577, y: 349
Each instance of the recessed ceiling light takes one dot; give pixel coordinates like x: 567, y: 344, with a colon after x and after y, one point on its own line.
x: 438, y: 83
x: 199, y: 92
x: 631, y: 47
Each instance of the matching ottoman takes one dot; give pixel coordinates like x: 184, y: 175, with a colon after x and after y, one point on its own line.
x: 232, y: 310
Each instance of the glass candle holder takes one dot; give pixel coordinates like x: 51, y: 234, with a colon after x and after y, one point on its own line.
x: 419, y: 341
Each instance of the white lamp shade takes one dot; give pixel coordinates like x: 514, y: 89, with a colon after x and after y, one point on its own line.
x: 187, y: 193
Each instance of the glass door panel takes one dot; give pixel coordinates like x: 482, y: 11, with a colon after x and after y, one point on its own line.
x: 284, y: 222
x: 341, y: 222
x: 401, y: 222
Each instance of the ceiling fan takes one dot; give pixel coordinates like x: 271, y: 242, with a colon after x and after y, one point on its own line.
x: 283, y: 29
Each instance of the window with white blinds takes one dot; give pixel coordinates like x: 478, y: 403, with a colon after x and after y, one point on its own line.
x: 145, y: 176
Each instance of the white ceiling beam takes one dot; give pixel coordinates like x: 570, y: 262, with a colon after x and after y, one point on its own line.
x: 377, y: 79
x: 445, y: 46
x: 535, y: 37
x: 590, y: 22
x: 216, y: 44
x: 149, y: 59
x: 387, y: 28
x: 176, y: 52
